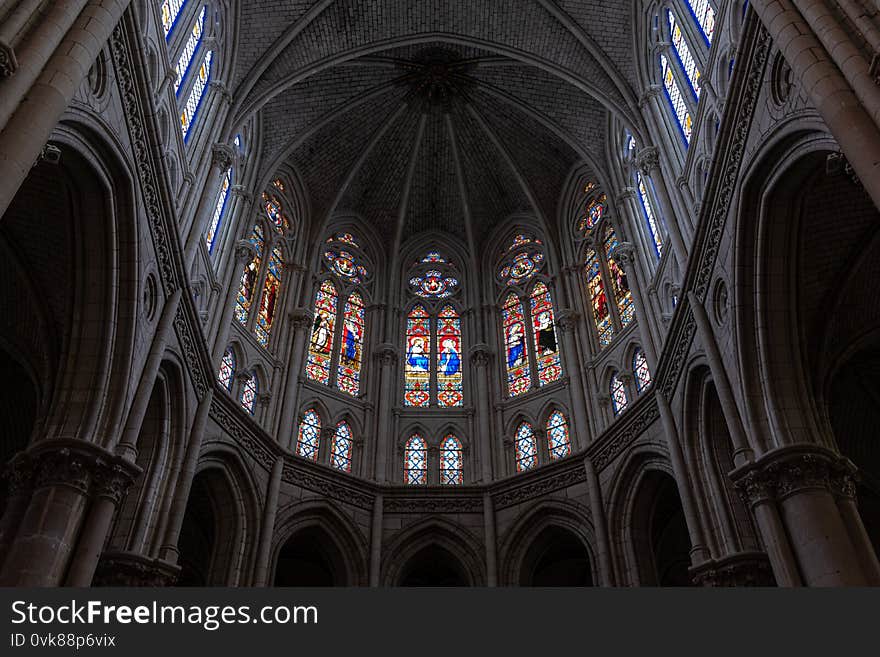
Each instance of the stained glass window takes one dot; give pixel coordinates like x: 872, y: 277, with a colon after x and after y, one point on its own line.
x: 416, y: 461
x: 249, y: 393
x: 641, y: 370
x: 619, y: 400
x: 520, y: 240
x: 650, y: 216
x: 351, y: 354
x: 596, y: 209
x: 345, y: 238
x: 433, y: 284
x: 558, y: 440
x: 278, y: 184
x: 321, y: 341
x: 170, y: 11
x: 451, y: 462
x: 275, y: 212
x: 269, y: 301
x: 219, y: 208
x: 227, y: 369
x: 345, y: 265
x: 526, y: 448
x: 196, y: 95
x: 189, y: 50
x: 676, y: 100
x: 434, y: 257
x: 546, y: 347
x: 685, y: 58
x: 522, y: 268
x: 247, y: 286
x: 340, y: 449
x: 515, y: 346
x: 417, y: 370
x: 308, y: 440
x: 619, y: 284
x: 449, y: 374
x: 705, y: 17
x: 598, y: 299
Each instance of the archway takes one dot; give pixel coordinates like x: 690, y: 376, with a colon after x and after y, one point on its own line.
x: 433, y: 565
x: 556, y: 558
x: 659, y: 533
x: 310, y: 558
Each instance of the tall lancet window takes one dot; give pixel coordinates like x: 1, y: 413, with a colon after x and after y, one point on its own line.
x: 607, y: 292
x: 340, y: 449
x: 336, y: 345
x: 227, y: 369
x: 170, y: 11
x: 646, y: 201
x: 249, y: 283
x: 433, y: 367
x: 528, y: 324
x: 451, y: 462
x: 558, y: 440
x: 641, y: 371
x: 619, y: 398
x: 249, y: 391
x: 415, y: 465
x: 308, y: 439
x: 221, y: 203
x: 704, y: 15
x: 525, y: 448
x: 190, y: 48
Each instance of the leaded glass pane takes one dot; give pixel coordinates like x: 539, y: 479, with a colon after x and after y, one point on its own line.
x: 340, y: 450
x: 247, y: 286
x: 449, y: 373
x: 417, y: 369
x: 619, y: 283
x: 546, y: 346
x: 351, y: 354
x: 249, y: 393
x: 515, y: 345
x: 321, y: 341
x: 526, y: 448
x: 451, y: 462
x: 558, y: 440
x: 598, y: 299
x: 416, y: 461
x: 308, y: 440
x: 641, y: 371
x: 227, y: 369
x: 619, y: 400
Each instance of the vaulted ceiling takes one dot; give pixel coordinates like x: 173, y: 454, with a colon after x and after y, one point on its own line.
x: 434, y: 114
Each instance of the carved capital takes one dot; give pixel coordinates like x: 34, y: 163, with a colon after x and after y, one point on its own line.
x: 241, y: 192
x: 112, y: 480
x: 244, y: 250
x: 625, y: 255
x: 628, y: 194
x: 221, y: 89
x: 301, y: 318
x: 648, y: 160
x: 481, y: 355
x: 129, y: 569
x: 650, y: 94
x: 222, y: 156
x: 265, y: 398
x: 385, y: 354
x: 8, y: 61
x: 567, y: 320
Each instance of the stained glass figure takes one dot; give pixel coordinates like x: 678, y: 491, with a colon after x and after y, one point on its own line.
x: 308, y: 440
x: 434, y: 257
x: 227, y: 369
x: 705, y: 17
x: 416, y: 461
x: 170, y: 10
x: 650, y: 216
x: 596, y: 209
x: 524, y: 266
x: 279, y: 184
x: 417, y: 368
x: 558, y: 440
x: 641, y: 371
x: 544, y: 329
x: 451, y: 462
x: 344, y: 264
x: 520, y: 240
x: 598, y: 299
x: 345, y: 238
x: 619, y: 283
x: 449, y: 373
x: 189, y: 49
x: 321, y: 341
x: 619, y: 400
x: 196, y: 96
x: 274, y: 211
x: 515, y: 345
x: 351, y: 351
x: 340, y: 448
x: 433, y: 284
x: 676, y: 100
x: 269, y: 300
x: 683, y: 52
x: 249, y: 393
x: 219, y: 209
x: 247, y: 288
x: 526, y: 448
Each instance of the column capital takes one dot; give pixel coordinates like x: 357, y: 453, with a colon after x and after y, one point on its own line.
x: 567, y: 320
x: 222, y: 89
x: 627, y: 194
x: 624, y: 255
x: 244, y: 250
x: 301, y: 318
x: 8, y: 60
x: 240, y: 191
x: 222, y: 156
x: 648, y: 160
x: 650, y: 94
x: 481, y: 355
x: 794, y: 469
x: 386, y: 354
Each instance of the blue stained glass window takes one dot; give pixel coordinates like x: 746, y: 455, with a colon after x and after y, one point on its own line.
x: 676, y: 100
x: 416, y: 461
x: 196, y: 96
x: 526, y: 448
x: 249, y: 393
x: 170, y: 10
x: 227, y: 369
x: 619, y: 399
x: 650, y: 216
x: 641, y: 370
x: 685, y: 58
x: 704, y: 16
x: 308, y: 439
x: 451, y: 462
x: 340, y: 449
x: 558, y: 440
x: 189, y: 50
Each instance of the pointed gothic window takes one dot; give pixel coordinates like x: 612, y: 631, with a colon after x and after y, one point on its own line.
x: 249, y: 279
x: 340, y: 449
x: 451, y: 462
x: 704, y: 15
x: 351, y: 352
x: 677, y: 103
x: 619, y: 399
x: 269, y: 299
x: 519, y: 376
x: 416, y: 461
x: 321, y: 341
x: 558, y: 440
x: 544, y: 331
x: 683, y: 53
x: 525, y: 448
x: 308, y: 439
x: 193, y: 104
x: 189, y: 50
x: 641, y: 371
x: 170, y: 11
x: 249, y: 393
x: 619, y: 283
x: 598, y: 299
x: 227, y: 369
x: 220, y: 204
x: 417, y: 369
x: 449, y: 375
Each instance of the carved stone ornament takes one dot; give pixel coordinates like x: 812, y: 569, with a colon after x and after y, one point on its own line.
x: 791, y: 470
x: 222, y: 156
x: 244, y: 250
x: 301, y: 319
x: 130, y: 569
x: 481, y: 355
x: 386, y: 354
x: 745, y: 569
x: 648, y: 160
x: 8, y: 61
x: 567, y: 320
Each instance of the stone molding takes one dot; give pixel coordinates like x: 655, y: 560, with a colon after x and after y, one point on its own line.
x: 130, y: 569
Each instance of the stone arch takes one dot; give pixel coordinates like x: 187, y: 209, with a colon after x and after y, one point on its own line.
x: 434, y: 538
x: 330, y: 542
x: 531, y: 540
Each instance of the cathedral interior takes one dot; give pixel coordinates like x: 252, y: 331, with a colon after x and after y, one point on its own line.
x: 440, y: 293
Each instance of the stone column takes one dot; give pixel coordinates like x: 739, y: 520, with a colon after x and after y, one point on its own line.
x: 853, y: 125
x: 222, y: 157
x: 600, y: 525
x: 567, y: 320
x: 803, y: 484
x: 699, y: 551
x: 648, y: 161
x: 301, y: 321
x: 385, y: 357
x: 376, y: 540
x: 110, y: 483
x: 19, y: 483
x: 481, y: 358
x: 267, y: 530
x: 43, y: 102
x: 491, y: 541
x: 243, y: 250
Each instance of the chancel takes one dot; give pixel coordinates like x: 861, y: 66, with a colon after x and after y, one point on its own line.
x: 439, y: 293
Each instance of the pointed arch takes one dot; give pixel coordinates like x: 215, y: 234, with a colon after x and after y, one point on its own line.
x: 547, y: 357
x: 415, y: 461
x: 341, y: 447
x: 525, y: 448
x: 308, y: 438
x: 348, y: 377
x: 417, y: 367
x: 323, y: 328
x: 519, y: 373
x: 451, y: 461
x: 558, y: 437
